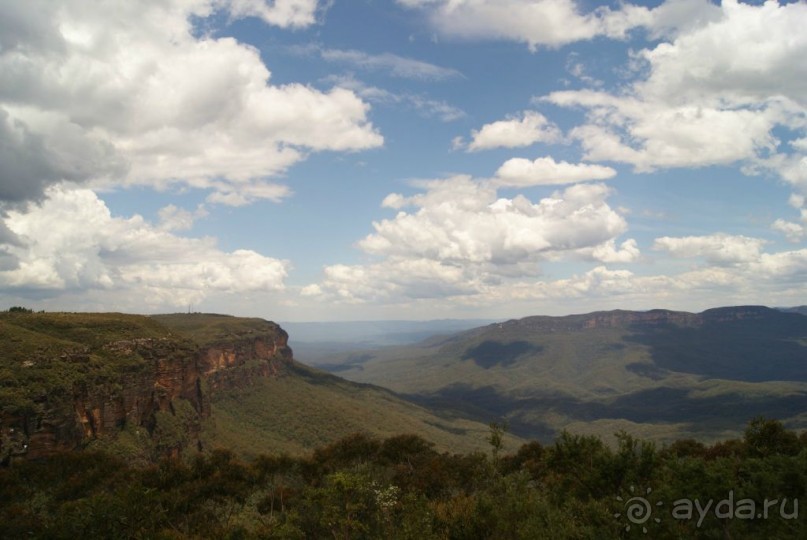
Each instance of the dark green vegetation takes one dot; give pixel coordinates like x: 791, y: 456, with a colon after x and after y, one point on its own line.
x: 44, y: 357
x: 306, y: 408
x: 213, y: 390
x: 142, y: 387
x: 124, y: 383
x: 660, y: 374
x: 302, y: 408
x: 360, y: 487
x: 206, y: 329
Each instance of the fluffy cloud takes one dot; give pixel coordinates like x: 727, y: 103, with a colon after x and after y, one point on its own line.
x: 652, y: 135
x: 395, y: 279
x: 71, y: 242
x: 462, y: 221
x: 788, y: 267
x: 792, y: 231
x: 747, y: 55
x: 462, y: 239
x: 531, y: 127
x: 520, y: 172
x: 716, y: 248
x: 283, y: 13
x: 777, y: 277
x: 550, y: 23
x: 30, y: 161
x: 673, y: 17
x: 734, y: 270
x: 715, y: 94
x: 628, y: 251
x: 173, y: 218
x: 126, y: 93
x: 457, y: 240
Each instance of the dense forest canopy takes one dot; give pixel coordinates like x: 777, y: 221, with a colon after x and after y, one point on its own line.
x: 361, y: 487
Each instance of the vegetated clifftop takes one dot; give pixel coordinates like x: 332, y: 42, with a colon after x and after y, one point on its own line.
x: 69, y: 380
x: 233, y: 351
x: 655, y: 317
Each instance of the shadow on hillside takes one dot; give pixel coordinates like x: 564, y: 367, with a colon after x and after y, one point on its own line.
x: 657, y: 405
x: 743, y: 350
x: 495, y: 353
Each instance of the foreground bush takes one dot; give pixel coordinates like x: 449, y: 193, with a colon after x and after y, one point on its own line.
x: 360, y: 487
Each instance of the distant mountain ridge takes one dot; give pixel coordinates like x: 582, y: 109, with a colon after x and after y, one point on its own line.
x: 659, y: 371
x: 619, y: 318
x: 376, y: 332
x: 797, y: 309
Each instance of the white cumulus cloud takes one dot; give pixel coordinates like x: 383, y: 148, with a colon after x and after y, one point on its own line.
x: 71, y: 242
x: 652, y: 135
x: 125, y: 93
x: 715, y: 248
x: 461, y: 220
x: 283, y: 13
x: 715, y: 91
x: 792, y: 231
x: 461, y: 239
x: 524, y: 130
x: 548, y: 23
x: 520, y: 172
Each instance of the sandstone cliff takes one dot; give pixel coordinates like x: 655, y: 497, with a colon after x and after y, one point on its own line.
x: 625, y: 319
x: 72, y: 380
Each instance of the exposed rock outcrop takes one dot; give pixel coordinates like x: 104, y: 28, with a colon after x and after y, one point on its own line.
x: 624, y: 319
x: 234, y: 364
x: 160, y: 390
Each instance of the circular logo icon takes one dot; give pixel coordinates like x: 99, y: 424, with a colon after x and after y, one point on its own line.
x: 637, y: 509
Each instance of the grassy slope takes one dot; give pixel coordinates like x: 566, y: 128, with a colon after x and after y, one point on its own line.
x: 306, y: 408
x: 662, y: 383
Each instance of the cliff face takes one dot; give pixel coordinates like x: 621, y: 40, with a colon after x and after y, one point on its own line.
x: 657, y: 317
x: 235, y: 364
x: 652, y: 318
x: 159, y: 390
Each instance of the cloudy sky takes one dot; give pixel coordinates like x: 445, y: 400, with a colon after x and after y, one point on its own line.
x: 402, y: 159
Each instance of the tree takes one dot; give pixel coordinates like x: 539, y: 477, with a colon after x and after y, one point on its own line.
x: 765, y: 438
x: 496, y: 437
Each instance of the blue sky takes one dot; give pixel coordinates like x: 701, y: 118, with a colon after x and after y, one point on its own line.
x: 408, y: 159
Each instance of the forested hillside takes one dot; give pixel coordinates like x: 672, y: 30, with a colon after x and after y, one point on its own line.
x: 658, y: 374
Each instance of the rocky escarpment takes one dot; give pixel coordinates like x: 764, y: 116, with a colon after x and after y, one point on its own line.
x: 148, y: 392
x: 236, y: 363
x: 652, y: 318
